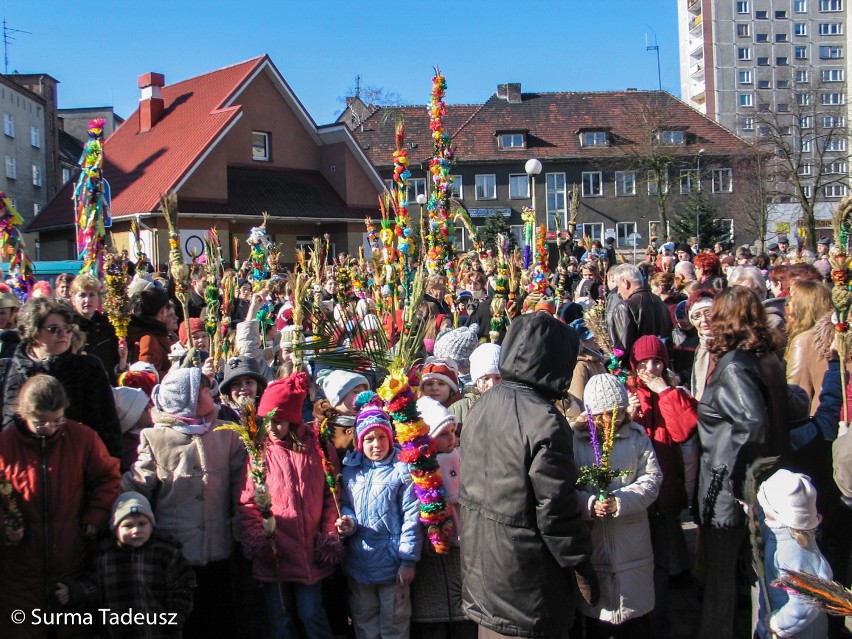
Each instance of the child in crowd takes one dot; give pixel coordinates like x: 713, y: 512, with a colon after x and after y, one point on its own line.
x: 484, y: 375
x: 307, y: 545
x: 436, y: 592
x: 134, y: 413
x: 193, y: 475
x: 788, y: 504
x: 439, y: 379
x: 457, y: 345
x: 380, y: 519
x: 243, y: 383
x: 622, y: 555
x: 138, y: 571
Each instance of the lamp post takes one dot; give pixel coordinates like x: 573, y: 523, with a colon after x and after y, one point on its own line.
x: 421, y: 200
x: 38, y: 249
x: 533, y: 168
x: 698, y: 208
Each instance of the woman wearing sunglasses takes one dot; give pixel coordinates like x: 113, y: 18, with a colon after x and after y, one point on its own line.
x: 46, y: 329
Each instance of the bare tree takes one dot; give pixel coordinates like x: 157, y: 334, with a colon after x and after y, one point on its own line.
x: 749, y: 200
x: 361, y: 101
x: 808, y: 138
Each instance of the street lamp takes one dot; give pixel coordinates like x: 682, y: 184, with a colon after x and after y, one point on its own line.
x: 421, y: 200
x: 38, y: 249
x: 533, y: 168
x: 698, y: 207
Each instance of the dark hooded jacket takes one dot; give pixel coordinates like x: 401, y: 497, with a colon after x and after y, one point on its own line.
x: 522, y: 526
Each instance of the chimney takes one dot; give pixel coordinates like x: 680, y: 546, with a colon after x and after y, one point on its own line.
x: 151, y: 103
x: 509, y: 92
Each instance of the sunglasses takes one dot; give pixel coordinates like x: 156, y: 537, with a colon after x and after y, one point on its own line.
x: 57, y: 330
x: 53, y: 422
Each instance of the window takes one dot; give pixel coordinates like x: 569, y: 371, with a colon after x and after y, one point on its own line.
x: 593, y: 231
x: 260, y: 146
x: 456, y: 189
x: 831, y: 5
x: 723, y: 180
x: 35, y: 137
x: 800, y: 29
x: 746, y: 100
x: 742, y: 6
x: 9, y: 124
x: 764, y: 84
x: 746, y: 77
x: 652, y: 182
x: 763, y: 131
x: 761, y: 37
x: 780, y: 37
x: 830, y: 52
x: 806, y: 169
x: 625, y: 183
x: 743, y: 53
x: 688, y: 180
x: 416, y: 186
x: 800, y: 53
x: 832, y: 98
x: 803, y: 99
x: 832, y: 121
x: 556, y: 197
x: 623, y: 232
x: 780, y: 15
x: 834, y: 144
x: 782, y: 84
x: 11, y: 167
x: 830, y: 28
x: 834, y: 190
x: 743, y: 30
x: 66, y: 175
x: 592, y: 184
x: 805, y: 145
x: 761, y: 15
x: 807, y: 191
x: 486, y: 187
x: 836, y: 168
x: 36, y: 175
x: 782, y: 61
x: 671, y: 137
x: 832, y: 75
x: 512, y: 141
x: 593, y: 138
x: 782, y: 107
x: 806, y: 122
x: 727, y: 227
x: 800, y: 6
x: 519, y: 186
x: 747, y: 123
x: 763, y: 61
x: 802, y: 76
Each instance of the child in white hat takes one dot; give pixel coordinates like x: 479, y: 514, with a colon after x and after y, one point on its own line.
x: 788, y: 504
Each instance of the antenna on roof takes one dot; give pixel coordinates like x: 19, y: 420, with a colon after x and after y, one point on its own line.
x: 7, y: 39
x: 656, y: 48
x: 357, y: 86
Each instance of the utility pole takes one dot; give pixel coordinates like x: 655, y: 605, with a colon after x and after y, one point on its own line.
x: 8, y: 38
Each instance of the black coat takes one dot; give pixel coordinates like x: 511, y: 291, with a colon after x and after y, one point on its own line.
x: 742, y: 415
x: 522, y: 530
x: 643, y: 313
x: 89, y: 394
x: 100, y: 341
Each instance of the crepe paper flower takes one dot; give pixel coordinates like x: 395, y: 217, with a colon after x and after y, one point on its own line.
x: 259, y: 243
x: 20, y: 274
x: 600, y: 474
x: 412, y: 433
x: 116, y: 300
x: 92, y: 202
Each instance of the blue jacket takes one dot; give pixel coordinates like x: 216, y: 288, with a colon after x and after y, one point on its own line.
x: 791, y: 616
x: 379, y: 496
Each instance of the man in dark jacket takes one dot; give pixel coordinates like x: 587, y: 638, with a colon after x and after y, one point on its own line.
x: 642, y: 312
x: 523, y: 533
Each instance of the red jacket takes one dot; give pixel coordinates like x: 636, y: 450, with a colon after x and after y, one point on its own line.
x: 669, y: 419
x: 81, y: 485
x: 303, y: 507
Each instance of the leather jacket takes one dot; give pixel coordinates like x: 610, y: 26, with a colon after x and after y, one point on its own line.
x: 643, y: 313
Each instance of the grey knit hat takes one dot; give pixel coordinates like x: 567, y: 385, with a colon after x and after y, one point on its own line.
x: 458, y: 344
x: 178, y: 393
x: 130, y: 503
x: 130, y: 403
x: 603, y: 393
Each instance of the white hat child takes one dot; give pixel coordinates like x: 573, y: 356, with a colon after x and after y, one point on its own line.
x: 437, y: 418
x: 790, y: 499
x: 484, y: 360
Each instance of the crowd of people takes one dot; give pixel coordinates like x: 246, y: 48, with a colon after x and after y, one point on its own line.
x: 120, y: 490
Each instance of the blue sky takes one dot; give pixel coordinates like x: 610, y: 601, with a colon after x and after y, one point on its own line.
x: 321, y: 46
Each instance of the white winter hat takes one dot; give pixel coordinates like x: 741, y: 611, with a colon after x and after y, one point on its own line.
x: 336, y: 384
x: 603, y: 393
x: 790, y: 499
x: 484, y: 360
x: 437, y: 418
x: 130, y: 403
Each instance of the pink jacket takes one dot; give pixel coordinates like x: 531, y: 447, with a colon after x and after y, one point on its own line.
x: 304, y: 513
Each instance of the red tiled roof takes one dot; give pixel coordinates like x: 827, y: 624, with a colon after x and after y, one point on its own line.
x: 551, y: 122
x: 140, y: 167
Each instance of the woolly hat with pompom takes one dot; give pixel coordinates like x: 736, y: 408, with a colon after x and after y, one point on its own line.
x: 285, y: 397
x: 371, y: 415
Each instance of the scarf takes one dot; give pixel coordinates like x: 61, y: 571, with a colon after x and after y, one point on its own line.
x: 189, y: 425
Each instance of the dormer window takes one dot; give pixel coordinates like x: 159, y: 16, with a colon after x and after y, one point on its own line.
x: 260, y: 146
x: 593, y: 138
x: 672, y: 137
x: 512, y: 140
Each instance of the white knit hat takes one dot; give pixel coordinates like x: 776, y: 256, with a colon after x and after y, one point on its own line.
x: 130, y: 403
x: 458, y: 344
x: 485, y: 360
x: 603, y: 393
x: 790, y: 499
x: 336, y: 384
x: 437, y: 418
